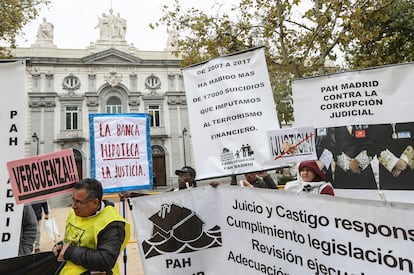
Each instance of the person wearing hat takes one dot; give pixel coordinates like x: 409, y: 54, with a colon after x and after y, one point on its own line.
x: 186, y: 178
x: 311, y: 180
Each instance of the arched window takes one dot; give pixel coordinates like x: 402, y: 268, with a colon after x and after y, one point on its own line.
x: 113, y: 105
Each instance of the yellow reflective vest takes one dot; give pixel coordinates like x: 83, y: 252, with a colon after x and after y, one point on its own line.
x: 84, y: 231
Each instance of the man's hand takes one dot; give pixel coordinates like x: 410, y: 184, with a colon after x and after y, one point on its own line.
x: 354, y: 166
x: 59, y: 250
x: 262, y: 174
x: 245, y: 183
x: 62, y: 252
x: 214, y: 183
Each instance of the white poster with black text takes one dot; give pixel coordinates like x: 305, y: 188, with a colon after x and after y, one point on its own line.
x: 234, y: 230
x: 371, y: 96
x: 13, y: 117
x: 231, y: 107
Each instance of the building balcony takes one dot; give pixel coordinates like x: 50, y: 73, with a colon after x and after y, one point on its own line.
x: 71, y: 135
x: 158, y: 131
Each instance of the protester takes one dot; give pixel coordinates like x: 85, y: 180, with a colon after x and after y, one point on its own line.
x: 39, y: 208
x: 285, y: 176
x: 259, y: 179
x: 186, y: 178
x: 28, y: 231
x: 311, y: 180
x: 95, y: 233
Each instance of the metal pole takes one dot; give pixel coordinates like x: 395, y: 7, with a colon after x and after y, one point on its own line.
x: 36, y: 139
x: 125, y: 250
x: 184, y: 133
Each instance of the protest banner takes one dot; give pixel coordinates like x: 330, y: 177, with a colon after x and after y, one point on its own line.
x: 13, y: 117
x: 121, y: 151
x: 231, y: 106
x: 370, y: 96
x: 365, y: 130
x: 42, y: 176
x: 292, y: 145
x: 43, y: 263
x: 230, y: 230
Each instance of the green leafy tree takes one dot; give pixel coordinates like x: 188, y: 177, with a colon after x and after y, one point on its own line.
x: 14, y: 15
x: 388, y: 39
x: 299, y: 36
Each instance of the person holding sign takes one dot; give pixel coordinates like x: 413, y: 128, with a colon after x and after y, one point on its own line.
x: 95, y: 233
x: 258, y: 179
x: 311, y: 180
x: 186, y: 178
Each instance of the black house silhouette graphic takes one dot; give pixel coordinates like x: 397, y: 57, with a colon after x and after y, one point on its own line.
x: 177, y: 229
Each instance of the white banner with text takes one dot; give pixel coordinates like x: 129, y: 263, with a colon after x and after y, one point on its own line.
x: 230, y: 106
x: 13, y: 121
x: 372, y: 96
x: 233, y: 230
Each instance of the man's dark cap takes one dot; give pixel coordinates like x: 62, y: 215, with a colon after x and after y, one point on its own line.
x: 186, y: 169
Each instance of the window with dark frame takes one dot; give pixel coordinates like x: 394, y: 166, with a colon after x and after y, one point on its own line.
x: 154, y: 111
x: 113, y: 105
x: 72, y: 113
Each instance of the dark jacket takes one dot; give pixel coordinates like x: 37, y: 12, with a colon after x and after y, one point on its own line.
x: 110, y: 240
x: 266, y: 182
x: 39, y: 208
x: 28, y: 231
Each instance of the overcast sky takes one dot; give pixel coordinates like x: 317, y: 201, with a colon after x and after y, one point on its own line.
x: 75, y: 21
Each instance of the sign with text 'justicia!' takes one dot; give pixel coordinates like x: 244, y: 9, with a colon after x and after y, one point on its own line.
x: 121, y: 151
x: 292, y: 145
x: 230, y: 106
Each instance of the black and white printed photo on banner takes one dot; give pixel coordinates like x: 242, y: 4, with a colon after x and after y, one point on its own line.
x: 364, y: 126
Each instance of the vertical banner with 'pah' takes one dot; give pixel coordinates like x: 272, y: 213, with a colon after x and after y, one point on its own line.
x: 12, y: 136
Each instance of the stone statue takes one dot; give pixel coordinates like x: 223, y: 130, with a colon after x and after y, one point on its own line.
x: 103, y: 25
x: 120, y: 26
x: 45, y: 31
x: 111, y: 27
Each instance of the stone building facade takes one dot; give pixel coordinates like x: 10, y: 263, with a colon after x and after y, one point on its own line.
x: 64, y: 86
